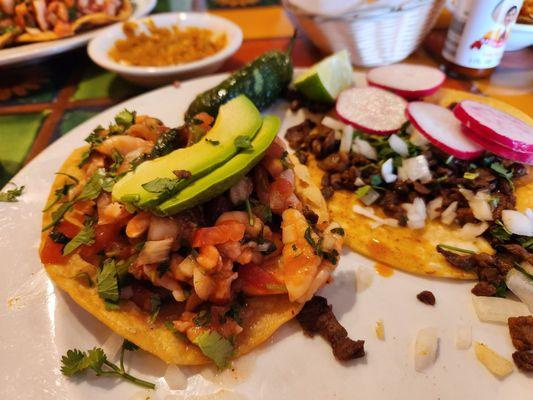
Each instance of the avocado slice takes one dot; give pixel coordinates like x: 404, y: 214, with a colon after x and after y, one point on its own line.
x: 238, y: 117
x: 225, y: 176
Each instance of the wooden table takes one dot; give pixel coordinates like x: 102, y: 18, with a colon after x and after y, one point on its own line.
x: 42, y: 102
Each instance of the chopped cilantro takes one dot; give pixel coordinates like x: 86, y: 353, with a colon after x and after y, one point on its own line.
x: 501, y: 290
x: 161, y: 185
x: 155, y: 306
x: 203, y: 318
x: 216, y: 347
x: 11, y: 195
x: 59, y: 237
x: 58, y: 214
x: 84, y: 237
x: 107, y: 280
x: 117, y: 160
x: 84, y: 276
x: 332, y: 256
x: 500, y: 232
x: 362, y: 191
x: 243, y: 142
x: 375, y: 180
x: 456, y: 249
x: 93, y: 188
x: 250, y: 213
x: 76, y: 361
x: 125, y: 118
x: 212, y: 142
x: 503, y: 172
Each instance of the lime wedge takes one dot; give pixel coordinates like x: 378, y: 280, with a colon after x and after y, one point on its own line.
x: 325, y: 80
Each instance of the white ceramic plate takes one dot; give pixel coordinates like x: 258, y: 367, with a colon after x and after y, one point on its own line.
x: 41, y: 323
x: 99, y: 47
x: 35, y: 51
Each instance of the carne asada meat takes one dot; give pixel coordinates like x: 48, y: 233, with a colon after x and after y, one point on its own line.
x: 426, y: 297
x: 521, y: 330
x: 317, y: 317
x: 523, y: 360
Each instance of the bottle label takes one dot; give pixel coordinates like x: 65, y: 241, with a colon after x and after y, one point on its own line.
x: 479, y: 31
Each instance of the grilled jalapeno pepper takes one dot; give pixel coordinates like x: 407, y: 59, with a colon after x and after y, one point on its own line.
x: 262, y: 81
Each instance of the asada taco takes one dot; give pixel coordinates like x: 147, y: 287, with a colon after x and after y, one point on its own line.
x: 45, y: 20
x: 429, y: 196
x: 194, y: 253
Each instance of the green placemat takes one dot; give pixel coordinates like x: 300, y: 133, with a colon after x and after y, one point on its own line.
x: 17, y: 133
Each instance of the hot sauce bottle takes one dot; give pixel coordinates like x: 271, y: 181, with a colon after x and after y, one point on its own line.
x: 477, y: 36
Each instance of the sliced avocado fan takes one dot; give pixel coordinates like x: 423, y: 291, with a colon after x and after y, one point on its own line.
x: 154, y: 181
x: 225, y: 176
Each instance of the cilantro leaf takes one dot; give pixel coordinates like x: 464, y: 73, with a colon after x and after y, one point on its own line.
x: 287, y: 164
x: 338, y: 231
x: 161, y: 185
x: 93, y: 187
x: 130, y: 346
x: 76, y: 361
x: 212, y: 142
x: 125, y: 118
x: 84, y: 236
x: 216, y: 347
x: 117, y: 160
x: 243, y: 142
x: 107, y: 281
x: 503, y: 172
x: 456, y: 249
x: 58, y: 214
x: 203, y: 318
x: 72, y: 362
x: 11, y: 196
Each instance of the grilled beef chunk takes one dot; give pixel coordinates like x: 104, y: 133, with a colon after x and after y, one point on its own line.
x: 523, y: 360
x: 426, y: 297
x: 490, y: 269
x: 317, y: 317
x: 521, y: 330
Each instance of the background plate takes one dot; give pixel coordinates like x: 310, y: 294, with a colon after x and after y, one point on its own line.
x: 39, y: 323
x: 35, y: 51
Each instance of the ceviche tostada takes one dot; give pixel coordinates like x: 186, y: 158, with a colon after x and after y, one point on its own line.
x: 194, y: 253
x: 44, y: 20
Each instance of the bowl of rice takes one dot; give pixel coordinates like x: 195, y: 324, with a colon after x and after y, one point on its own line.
x: 163, y: 48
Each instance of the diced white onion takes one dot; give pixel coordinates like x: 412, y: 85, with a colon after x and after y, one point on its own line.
x: 363, y: 278
x: 332, y: 123
x: 398, y: 145
x: 416, y: 213
x: 463, y: 337
x: 370, y: 197
x: 359, y: 182
x: 387, y: 171
x: 497, y: 309
x: 496, y: 364
x: 364, y: 148
x: 369, y: 213
x: 479, y: 203
x: 471, y: 231
x: 417, y: 138
x: 155, y: 251
x: 426, y: 345
x: 449, y: 214
x: 517, y: 222
x: 175, y: 378
x: 433, y: 206
x: 112, y: 345
x: 415, y: 168
x: 346, y: 139
x: 521, y: 286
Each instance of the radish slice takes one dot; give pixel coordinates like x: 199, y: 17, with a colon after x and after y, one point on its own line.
x: 439, y: 126
x: 524, y: 158
x: 407, y: 80
x: 497, y: 126
x: 372, y: 110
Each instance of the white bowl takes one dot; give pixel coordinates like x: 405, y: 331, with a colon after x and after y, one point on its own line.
x: 99, y: 47
x: 520, y: 38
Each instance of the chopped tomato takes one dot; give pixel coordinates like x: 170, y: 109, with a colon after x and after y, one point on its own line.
x: 280, y: 190
x: 257, y: 281
x: 51, y: 252
x: 104, y: 237
x: 224, y: 232
x: 206, y: 119
x: 67, y: 228
x: 276, y: 149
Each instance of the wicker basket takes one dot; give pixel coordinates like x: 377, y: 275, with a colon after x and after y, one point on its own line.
x: 382, y: 36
